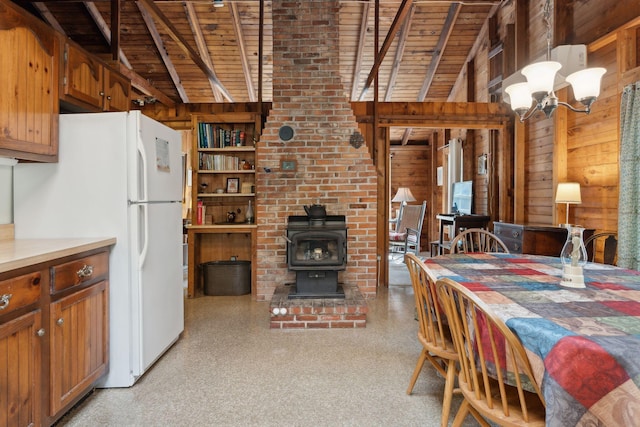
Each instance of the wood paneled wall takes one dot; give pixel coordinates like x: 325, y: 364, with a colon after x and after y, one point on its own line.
x: 592, y: 151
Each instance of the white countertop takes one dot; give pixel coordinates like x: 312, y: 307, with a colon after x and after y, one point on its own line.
x: 25, y: 252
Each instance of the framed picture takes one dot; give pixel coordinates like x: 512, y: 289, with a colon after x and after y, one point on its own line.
x: 288, y: 165
x: 233, y: 185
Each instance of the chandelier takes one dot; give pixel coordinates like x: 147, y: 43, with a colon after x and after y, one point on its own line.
x: 537, y: 93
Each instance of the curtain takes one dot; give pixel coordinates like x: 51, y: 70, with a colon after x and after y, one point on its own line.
x: 629, y: 191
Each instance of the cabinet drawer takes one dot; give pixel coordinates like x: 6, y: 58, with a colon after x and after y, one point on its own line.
x: 20, y: 291
x: 80, y: 271
x: 511, y: 235
x: 514, y: 246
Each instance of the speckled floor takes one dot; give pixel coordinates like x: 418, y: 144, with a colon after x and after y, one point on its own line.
x: 230, y: 369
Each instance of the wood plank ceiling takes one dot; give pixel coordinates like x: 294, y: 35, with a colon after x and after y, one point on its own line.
x: 193, y: 52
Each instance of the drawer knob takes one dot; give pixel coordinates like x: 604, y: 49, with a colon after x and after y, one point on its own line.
x: 40, y: 332
x: 85, y: 271
x: 4, y: 301
x: 60, y: 321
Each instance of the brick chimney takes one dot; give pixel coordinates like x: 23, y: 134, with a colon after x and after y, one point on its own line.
x: 309, y: 98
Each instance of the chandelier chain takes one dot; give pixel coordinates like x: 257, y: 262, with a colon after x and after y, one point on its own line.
x: 547, y: 13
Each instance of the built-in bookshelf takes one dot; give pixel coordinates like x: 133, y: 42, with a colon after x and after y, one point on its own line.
x: 223, y: 183
x: 224, y: 173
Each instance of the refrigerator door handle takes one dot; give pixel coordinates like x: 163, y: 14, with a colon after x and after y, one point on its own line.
x: 151, y: 202
x: 143, y: 236
x: 142, y: 171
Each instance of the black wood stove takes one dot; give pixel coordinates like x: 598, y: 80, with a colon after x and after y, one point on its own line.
x: 316, y: 251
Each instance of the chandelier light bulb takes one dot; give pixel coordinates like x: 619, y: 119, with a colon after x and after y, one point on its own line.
x: 586, y: 83
x: 519, y: 96
x: 541, y: 77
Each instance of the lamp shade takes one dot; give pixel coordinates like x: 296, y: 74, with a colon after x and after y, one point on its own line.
x: 541, y: 76
x: 519, y: 96
x: 586, y: 83
x: 568, y: 192
x: 403, y: 195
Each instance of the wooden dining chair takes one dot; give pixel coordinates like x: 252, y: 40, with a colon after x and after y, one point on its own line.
x: 433, y: 333
x: 604, y: 247
x: 489, y: 354
x: 477, y: 240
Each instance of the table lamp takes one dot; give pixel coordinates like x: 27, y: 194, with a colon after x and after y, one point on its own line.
x: 403, y: 196
x: 569, y: 193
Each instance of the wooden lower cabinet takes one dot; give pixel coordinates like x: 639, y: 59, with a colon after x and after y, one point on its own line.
x: 79, y: 353
x: 54, y: 336
x: 20, y: 378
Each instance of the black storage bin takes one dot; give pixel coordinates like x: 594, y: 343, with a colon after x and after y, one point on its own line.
x: 226, y: 277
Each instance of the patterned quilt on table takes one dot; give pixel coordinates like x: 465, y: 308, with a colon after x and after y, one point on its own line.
x: 584, y: 344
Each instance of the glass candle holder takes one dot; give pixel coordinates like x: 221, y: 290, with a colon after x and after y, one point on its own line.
x: 573, y: 257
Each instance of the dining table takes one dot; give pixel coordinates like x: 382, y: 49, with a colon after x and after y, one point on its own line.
x: 583, y: 343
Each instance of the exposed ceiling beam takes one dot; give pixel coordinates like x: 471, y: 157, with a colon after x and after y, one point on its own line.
x: 402, y: 41
x: 115, y: 29
x: 104, y: 28
x: 194, y: 22
x: 155, y: 35
x: 183, y: 44
x: 143, y: 85
x: 260, y: 52
x: 447, y: 29
x: 46, y: 14
x: 366, y: 7
x: 403, y: 10
x: 246, y: 69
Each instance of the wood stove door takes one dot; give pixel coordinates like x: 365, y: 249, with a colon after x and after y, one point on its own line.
x: 321, y: 250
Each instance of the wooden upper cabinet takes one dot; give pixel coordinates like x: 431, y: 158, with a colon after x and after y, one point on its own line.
x: 90, y: 84
x: 117, y: 91
x: 83, y: 77
x: 29, y: 104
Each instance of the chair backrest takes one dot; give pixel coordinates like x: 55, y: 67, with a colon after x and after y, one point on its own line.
x: 477, y: 240
x: 411, y: 216
x: 431, y: 315
x: 489, y: 354
x: 603, y: 247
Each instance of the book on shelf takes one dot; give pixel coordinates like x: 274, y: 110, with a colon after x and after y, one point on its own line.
x: 218, y: 162
x: 211, y: 135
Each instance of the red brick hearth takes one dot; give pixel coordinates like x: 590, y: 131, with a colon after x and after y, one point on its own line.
x: 321, y: 313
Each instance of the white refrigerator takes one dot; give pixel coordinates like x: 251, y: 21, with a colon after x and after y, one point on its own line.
x: 118, y: 174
